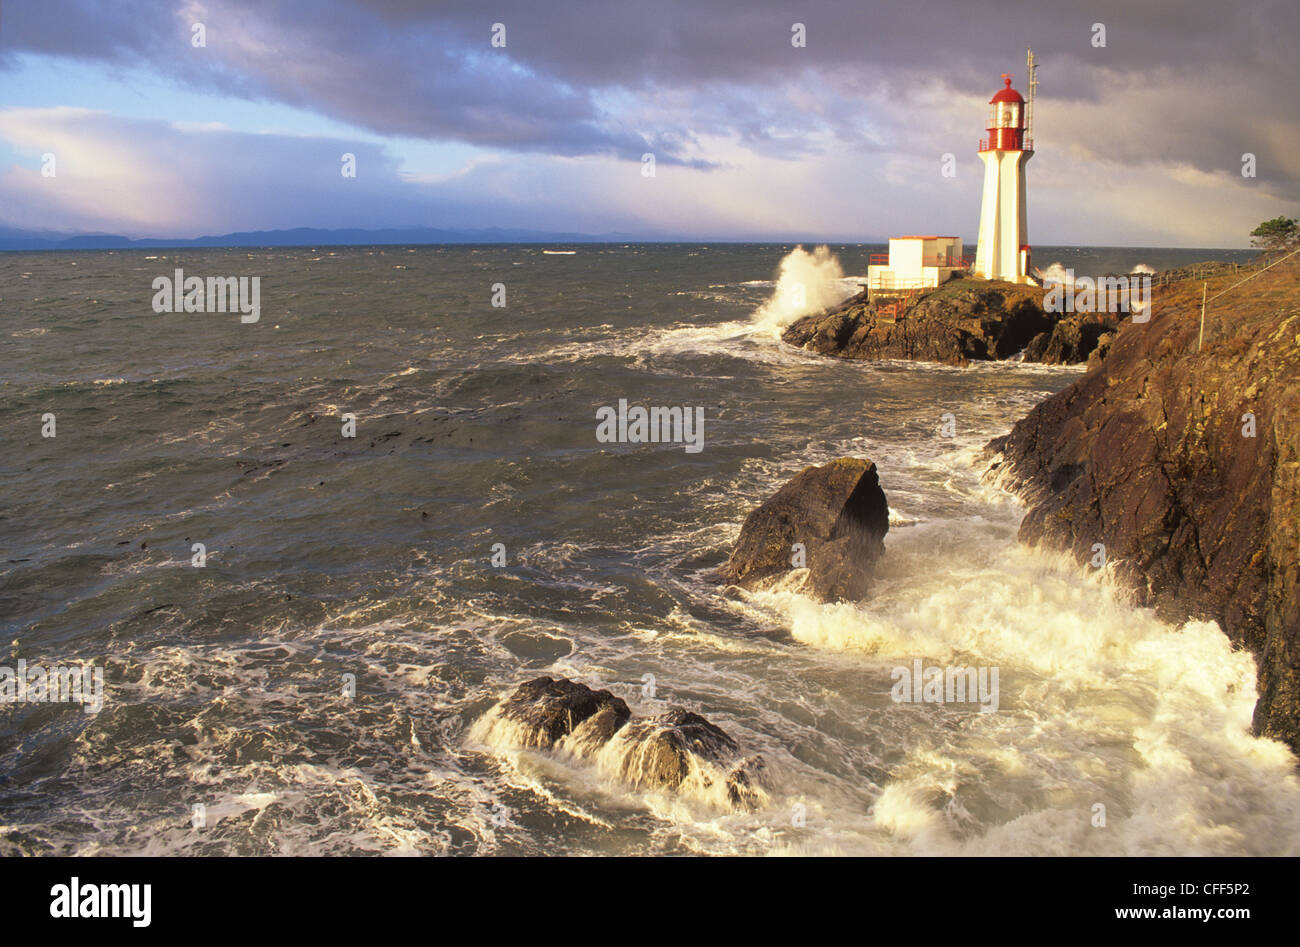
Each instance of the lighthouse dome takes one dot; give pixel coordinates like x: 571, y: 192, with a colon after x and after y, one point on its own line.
x: 1006, y: 95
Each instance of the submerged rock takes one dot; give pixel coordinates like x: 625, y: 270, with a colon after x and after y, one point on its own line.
x: 1185, y: 466
x: 661, y: 749
x: 675, y: 751
x: 837, y: 512
x: 667, y: 750
x: 747, y: 784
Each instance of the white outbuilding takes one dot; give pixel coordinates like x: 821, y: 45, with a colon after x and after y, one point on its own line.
x: 914, y: 263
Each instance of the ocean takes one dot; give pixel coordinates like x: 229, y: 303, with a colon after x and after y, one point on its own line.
x: 312, y: 686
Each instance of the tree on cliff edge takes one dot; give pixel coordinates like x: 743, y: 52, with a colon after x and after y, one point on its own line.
x: 1277, y: 235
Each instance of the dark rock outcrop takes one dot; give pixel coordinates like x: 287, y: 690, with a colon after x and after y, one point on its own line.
x: 1150, y: 454
x: 1102, y: 349
x: 545, y: 710
x: 837, y: 512
x: 1071, y: 340
x: 664, y: 752
x: 963, y: 320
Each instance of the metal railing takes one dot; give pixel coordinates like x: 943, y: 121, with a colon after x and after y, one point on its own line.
x: 1026, y: 144
x: 889, y: 313
x: 891, y: 283
x: 961, y: 263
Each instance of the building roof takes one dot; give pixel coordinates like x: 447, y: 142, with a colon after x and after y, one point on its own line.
x: 1006, y: 95
x: 930, y: 237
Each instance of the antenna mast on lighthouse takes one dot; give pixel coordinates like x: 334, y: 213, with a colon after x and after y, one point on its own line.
x: 1032, y: 75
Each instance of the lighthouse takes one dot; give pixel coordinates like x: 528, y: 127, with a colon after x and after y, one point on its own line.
x: 1003, y: 251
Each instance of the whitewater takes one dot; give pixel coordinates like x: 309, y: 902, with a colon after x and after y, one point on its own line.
x: 1115, y: 733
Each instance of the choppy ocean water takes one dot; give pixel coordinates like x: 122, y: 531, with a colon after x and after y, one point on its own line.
x: 369, y: 559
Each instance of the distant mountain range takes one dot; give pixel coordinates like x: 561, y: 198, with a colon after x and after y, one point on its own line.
x: 300, y: 237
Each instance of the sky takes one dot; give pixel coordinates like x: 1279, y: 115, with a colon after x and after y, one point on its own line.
x: 1145, y: 112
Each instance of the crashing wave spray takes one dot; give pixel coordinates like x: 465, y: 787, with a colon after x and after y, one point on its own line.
x: 1056, y: 273
x: 807, y: 282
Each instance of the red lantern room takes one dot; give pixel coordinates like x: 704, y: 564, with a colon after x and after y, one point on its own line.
x: 1006, y: 125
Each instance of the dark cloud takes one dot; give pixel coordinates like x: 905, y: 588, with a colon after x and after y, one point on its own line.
x: 428, y: 70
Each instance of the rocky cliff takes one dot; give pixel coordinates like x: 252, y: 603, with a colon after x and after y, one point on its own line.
x: 962, y: 321
x: 1185, y: 465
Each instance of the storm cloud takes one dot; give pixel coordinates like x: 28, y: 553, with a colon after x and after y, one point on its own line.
x: 1178, y: 94
x: 1192, y: 77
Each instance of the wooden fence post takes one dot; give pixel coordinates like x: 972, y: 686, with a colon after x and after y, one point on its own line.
x: 1201, y: 339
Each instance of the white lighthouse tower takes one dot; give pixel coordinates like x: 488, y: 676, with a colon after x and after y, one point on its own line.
x: 1003, y: 252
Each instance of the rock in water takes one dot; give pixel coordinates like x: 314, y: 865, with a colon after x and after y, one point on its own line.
x: 667, y: 750
x: 543, y: 711
x: 660, y: 749
x: 1185, y: 466
x: 962, y: 321
x: 837, y: 512
x: 675, y: 751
